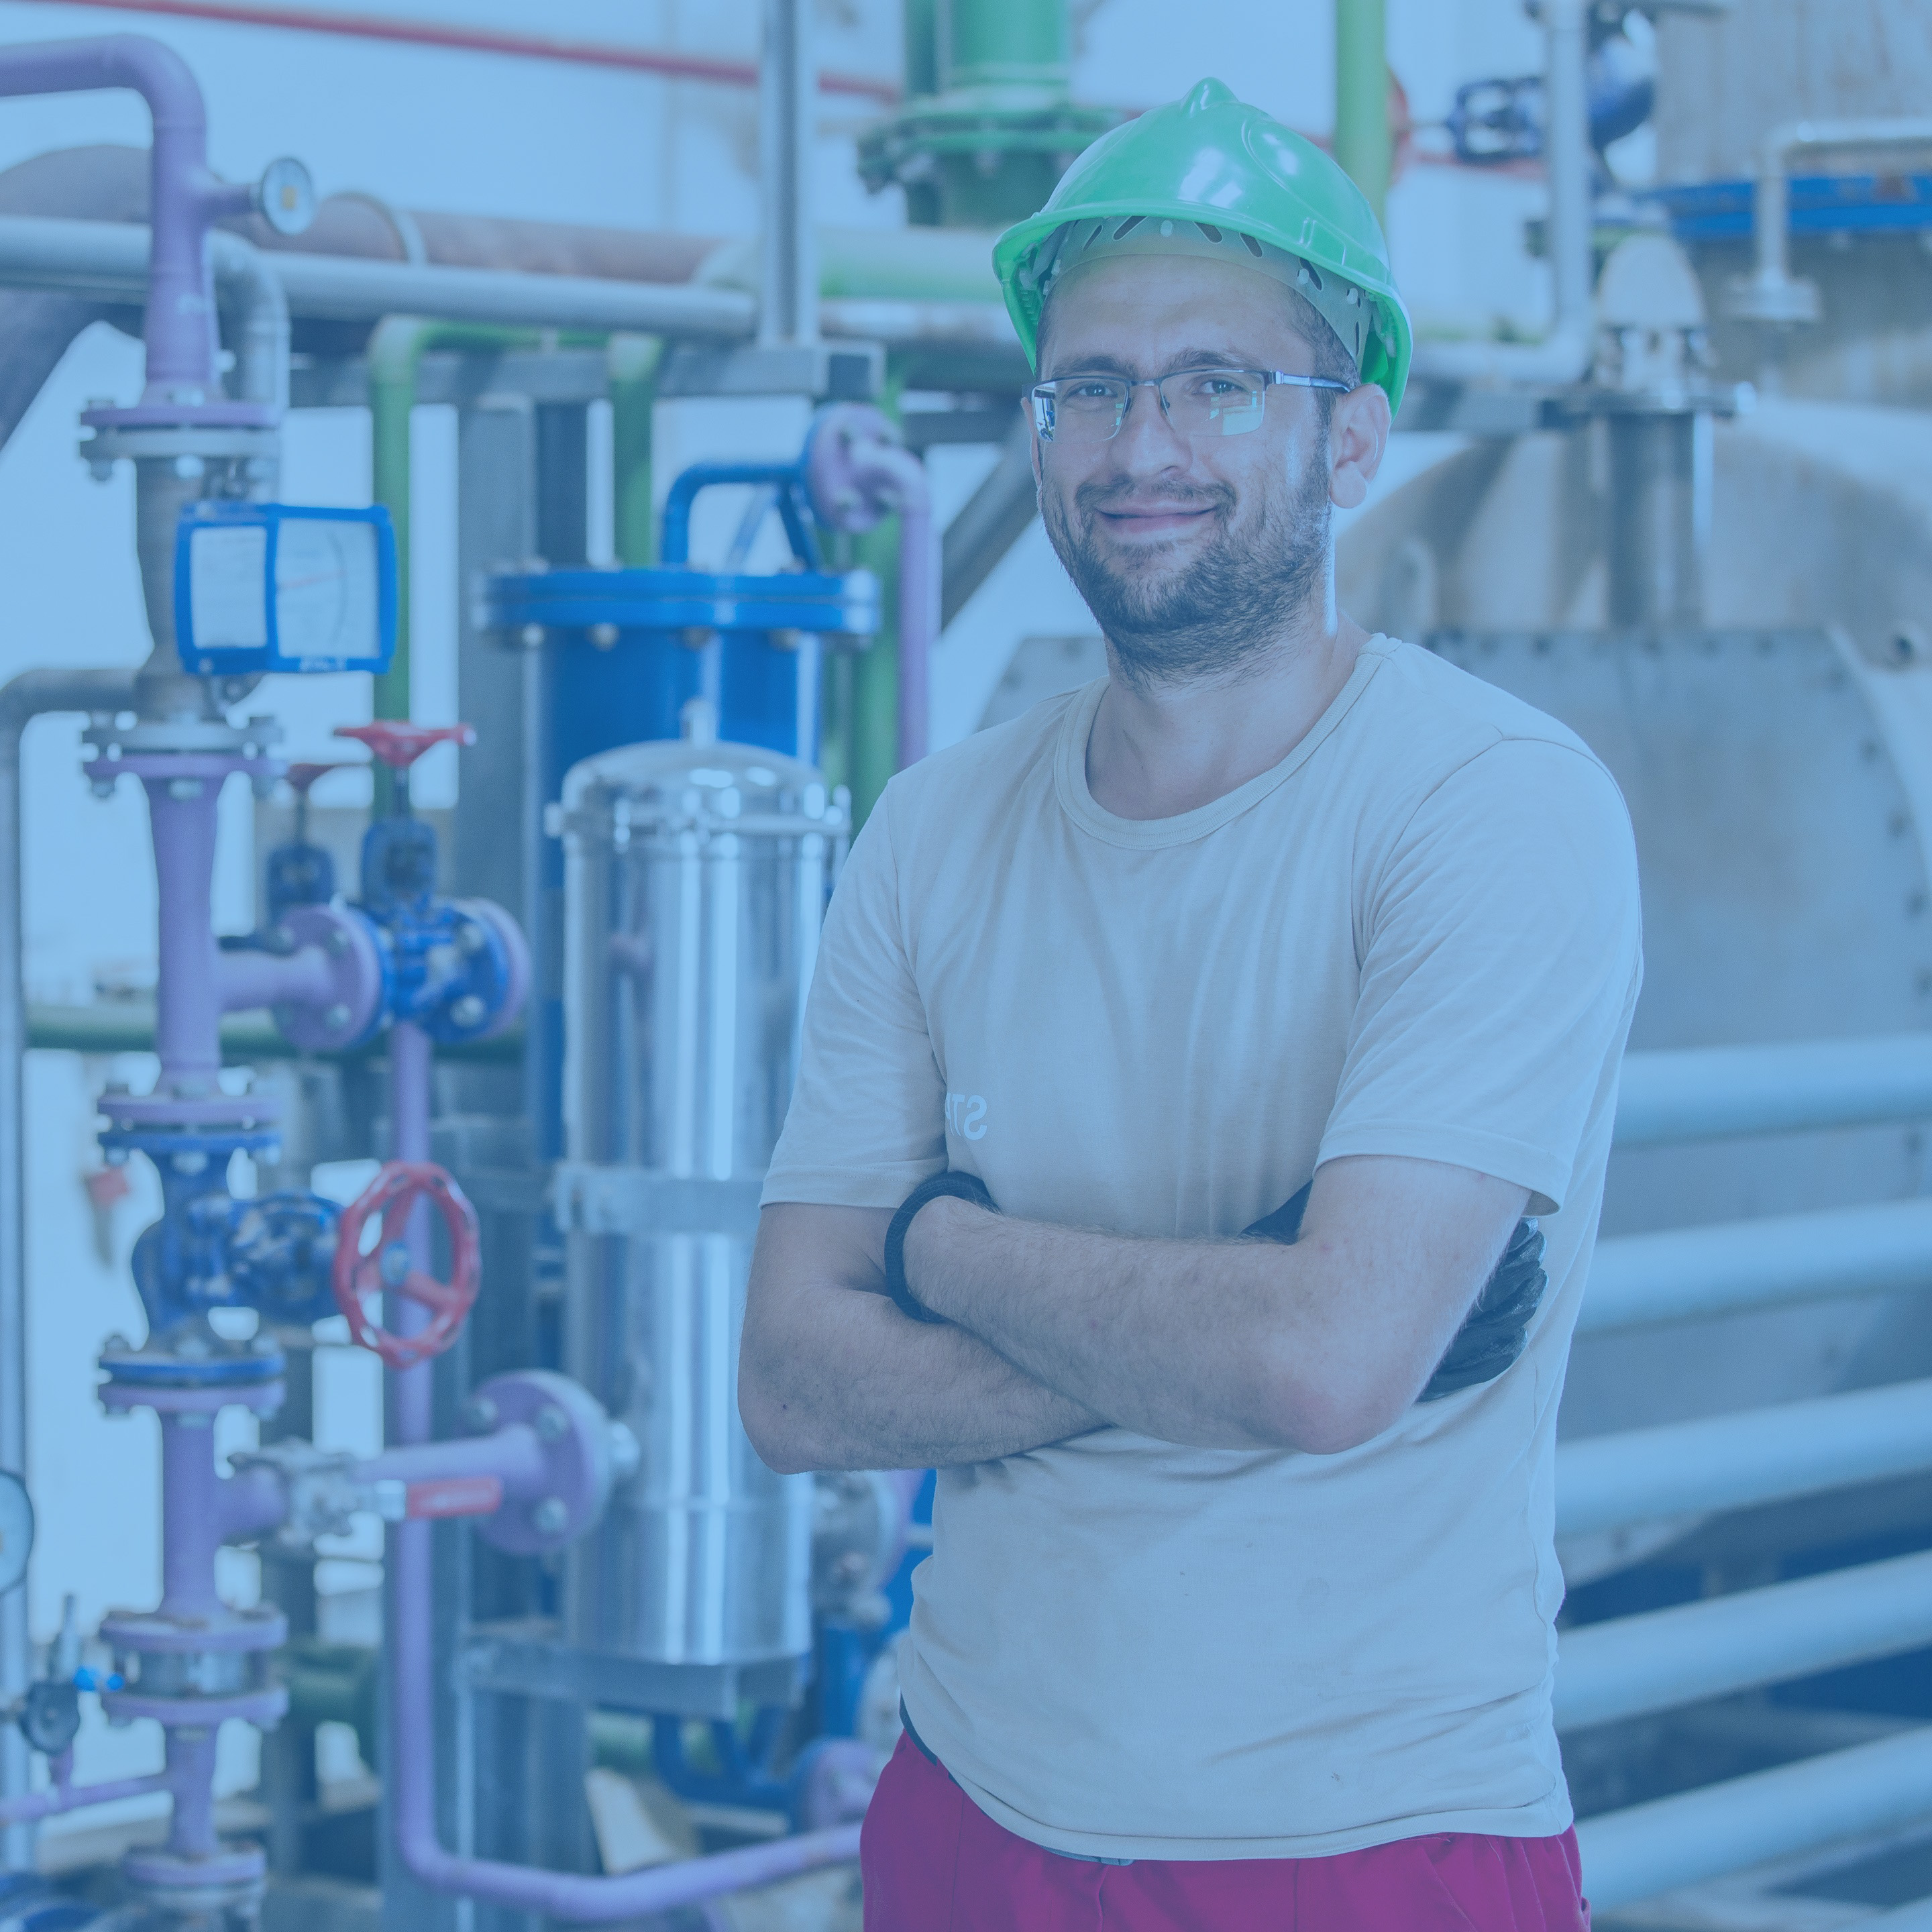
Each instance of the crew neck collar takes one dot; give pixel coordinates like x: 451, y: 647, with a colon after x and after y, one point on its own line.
x: 1077, y: 728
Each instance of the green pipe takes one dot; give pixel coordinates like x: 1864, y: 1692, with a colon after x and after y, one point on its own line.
x: 1008, y: 44
x: 633, y: 361
x: 922, y: 49
x: 952, y: 265
x: 1362, y: 143
x: 128, y: 1026
x: 872, y: 722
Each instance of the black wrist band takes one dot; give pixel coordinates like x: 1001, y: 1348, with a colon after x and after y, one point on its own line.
x: 962, y: 1186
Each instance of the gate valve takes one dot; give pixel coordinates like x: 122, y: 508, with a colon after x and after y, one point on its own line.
x: 395, y: 1195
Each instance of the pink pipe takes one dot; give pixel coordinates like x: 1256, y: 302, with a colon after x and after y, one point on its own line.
x: 903, y: 477
x: 564, y: 1895
x: 184, y: 197
x: 513, y: 1455
x: 33, y: 1804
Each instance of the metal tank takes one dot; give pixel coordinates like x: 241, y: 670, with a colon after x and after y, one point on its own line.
x: 696, y: 875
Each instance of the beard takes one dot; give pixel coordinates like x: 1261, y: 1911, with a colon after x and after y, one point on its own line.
x: 1215, y: 617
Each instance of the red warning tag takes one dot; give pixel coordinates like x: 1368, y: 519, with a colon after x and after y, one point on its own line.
x: 455, y: 1495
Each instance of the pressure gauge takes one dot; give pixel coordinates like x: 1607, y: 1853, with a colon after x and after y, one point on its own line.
x: 16, y: 1531
x: 274, y: 587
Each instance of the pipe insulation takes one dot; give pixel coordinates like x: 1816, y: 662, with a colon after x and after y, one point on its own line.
x: 1712, y: 1092
x: 1732, y: 1462
x: 1647, y: 1848
x: 1689, y: 1274
x: 1630, y: 1666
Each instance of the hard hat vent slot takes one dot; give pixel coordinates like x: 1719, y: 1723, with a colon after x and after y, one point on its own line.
x: 1128, y: 226
x: 1212, y: 234
x: 1254, y: 247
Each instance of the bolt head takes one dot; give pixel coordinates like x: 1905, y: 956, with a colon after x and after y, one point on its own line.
x: 551, y: 1516
x: 469, y: 937
x: 480, y: 1415
x: 468, y: 1011
x: 336, y: 1018
x: 532, y: 636
x: 393, y: 1268
x: 103, y: 787
x: 337, y: 943
x: 603, y: 636
x: 184, y: 789
x: 282, y: 939
x: 552, y: 1424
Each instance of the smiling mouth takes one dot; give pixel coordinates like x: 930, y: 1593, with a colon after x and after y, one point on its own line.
x: 1156, y: 519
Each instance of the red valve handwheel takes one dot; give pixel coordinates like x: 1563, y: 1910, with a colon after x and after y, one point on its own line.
x: 394, y: 1193
x: 399, y: 745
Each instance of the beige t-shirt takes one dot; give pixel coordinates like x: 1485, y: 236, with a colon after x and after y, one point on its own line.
x: 1417, y: 935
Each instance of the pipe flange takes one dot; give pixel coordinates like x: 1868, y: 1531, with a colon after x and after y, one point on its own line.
x: 577, y: 1451
x: 210, y: 1658
x: 358, y: 974
x: 264, y: 1709
x: 234, y: 1876
x: 173, y: 1383
x: 197, y: 745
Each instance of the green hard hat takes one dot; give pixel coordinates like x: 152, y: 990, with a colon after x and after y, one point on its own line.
x: 1213, y: 162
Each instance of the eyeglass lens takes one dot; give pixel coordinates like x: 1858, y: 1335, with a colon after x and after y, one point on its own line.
x: 1198, y: 402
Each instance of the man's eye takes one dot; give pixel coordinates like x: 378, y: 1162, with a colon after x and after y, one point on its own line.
x: 1089, y: 392
x: 1218, y: 386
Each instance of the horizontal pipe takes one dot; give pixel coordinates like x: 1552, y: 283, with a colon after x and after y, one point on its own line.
x: 1647, y: 1848
x: 1630, y: 1666
x: 128, y: 1026
x: 32, y: 1804
x: 1771, y: 213
x: 246, y: 980
x: 353, y: 26
x: 1709, y: 1093
x: 513, y: 1454
x: 1687, y: 1274
x: 1732, y: 1462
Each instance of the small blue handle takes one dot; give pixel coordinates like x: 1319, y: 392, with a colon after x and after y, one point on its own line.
x: 787, y: 477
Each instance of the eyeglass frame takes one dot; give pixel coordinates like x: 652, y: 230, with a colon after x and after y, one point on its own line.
x: 1042, y: 399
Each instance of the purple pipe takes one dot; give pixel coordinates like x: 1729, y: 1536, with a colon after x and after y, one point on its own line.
x: 187, y: 999
x: 33, y: 1804
x: 190, y: 1776
x: 184, y: 197
x: 191, y: 1519
x: 514, y: 1455
x: 245, y: 979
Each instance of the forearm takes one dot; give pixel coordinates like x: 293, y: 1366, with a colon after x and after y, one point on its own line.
x: 1169, y: 1339
x: 833, y: 1377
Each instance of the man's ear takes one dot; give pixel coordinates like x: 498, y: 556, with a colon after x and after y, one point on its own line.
x: 1358, y: 434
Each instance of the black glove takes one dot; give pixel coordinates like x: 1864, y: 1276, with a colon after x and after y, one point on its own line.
x: 1497, y: 1326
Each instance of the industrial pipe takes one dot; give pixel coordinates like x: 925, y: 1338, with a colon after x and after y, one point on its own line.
x: 1363, y: 145
x: 1772, y: 294
x: 33, y: 695
x: 787, y: 137
x: 1628, y: 1667
x: 1564, y: 354
x: 1646, y: 1849
x: 1712, y: 1092
x: 31, y: 1806
x: 1688, y: 1274
x: 1731, y: 1461
x: 242, y: 271
x: 185, y: 197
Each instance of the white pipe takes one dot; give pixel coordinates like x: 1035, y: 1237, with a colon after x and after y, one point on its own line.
x: 261, y: 347
x: 1773, y: 294
x: 1629, y: 1666
x: 1708, y: 1093
x: 1731, y: 1461
x: 1688, y: 1274
x: 1648, y: 1848
x: 1563, y: 355
x: 788, y: 131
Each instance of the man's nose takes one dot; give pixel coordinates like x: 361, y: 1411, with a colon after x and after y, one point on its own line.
x: 1146, y: 440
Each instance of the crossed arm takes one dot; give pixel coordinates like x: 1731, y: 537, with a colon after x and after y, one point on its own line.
x: 1055, y: 1331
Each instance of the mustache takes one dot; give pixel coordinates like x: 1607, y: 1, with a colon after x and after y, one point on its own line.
x: 1122, y: 496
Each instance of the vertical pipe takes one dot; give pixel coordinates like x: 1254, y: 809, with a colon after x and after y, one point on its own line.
x: 633, y: 361
x: 26, y: 697
x: 1008, y: 44
x: 921, y: 29
x: 191, y: 1832
x: 1362, y: 143
x: 787, y: 126
x: 1570, y: 158
x: 187, y: 998
x: 191, y: 1521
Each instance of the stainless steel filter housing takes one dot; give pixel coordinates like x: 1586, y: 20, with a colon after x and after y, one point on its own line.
x: 696, y: 878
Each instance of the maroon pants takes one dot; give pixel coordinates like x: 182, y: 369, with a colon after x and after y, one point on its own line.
x: 933, y: 1862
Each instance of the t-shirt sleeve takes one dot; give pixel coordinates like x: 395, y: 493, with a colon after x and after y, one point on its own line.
x: 868, y: 1119
x: 1501, y: 950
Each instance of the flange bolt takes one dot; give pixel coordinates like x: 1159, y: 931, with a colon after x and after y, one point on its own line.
x: 552, y: 1424
x: 551, y: 1516
x: 480, y: 1415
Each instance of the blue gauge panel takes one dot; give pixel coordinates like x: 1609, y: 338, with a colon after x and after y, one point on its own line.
x: 284, y: 587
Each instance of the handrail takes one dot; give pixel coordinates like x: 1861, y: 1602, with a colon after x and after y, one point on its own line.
x: 1628, y: 1667
x: 1688, y: 1274
x: 1732, y: 1461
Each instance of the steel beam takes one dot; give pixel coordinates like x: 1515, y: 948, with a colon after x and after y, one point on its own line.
x: 1731, y: 1461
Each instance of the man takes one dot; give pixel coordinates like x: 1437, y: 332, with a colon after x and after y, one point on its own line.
x: 1221, y: 1628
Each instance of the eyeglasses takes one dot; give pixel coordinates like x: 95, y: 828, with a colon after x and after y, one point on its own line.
x: 1197, y: 402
